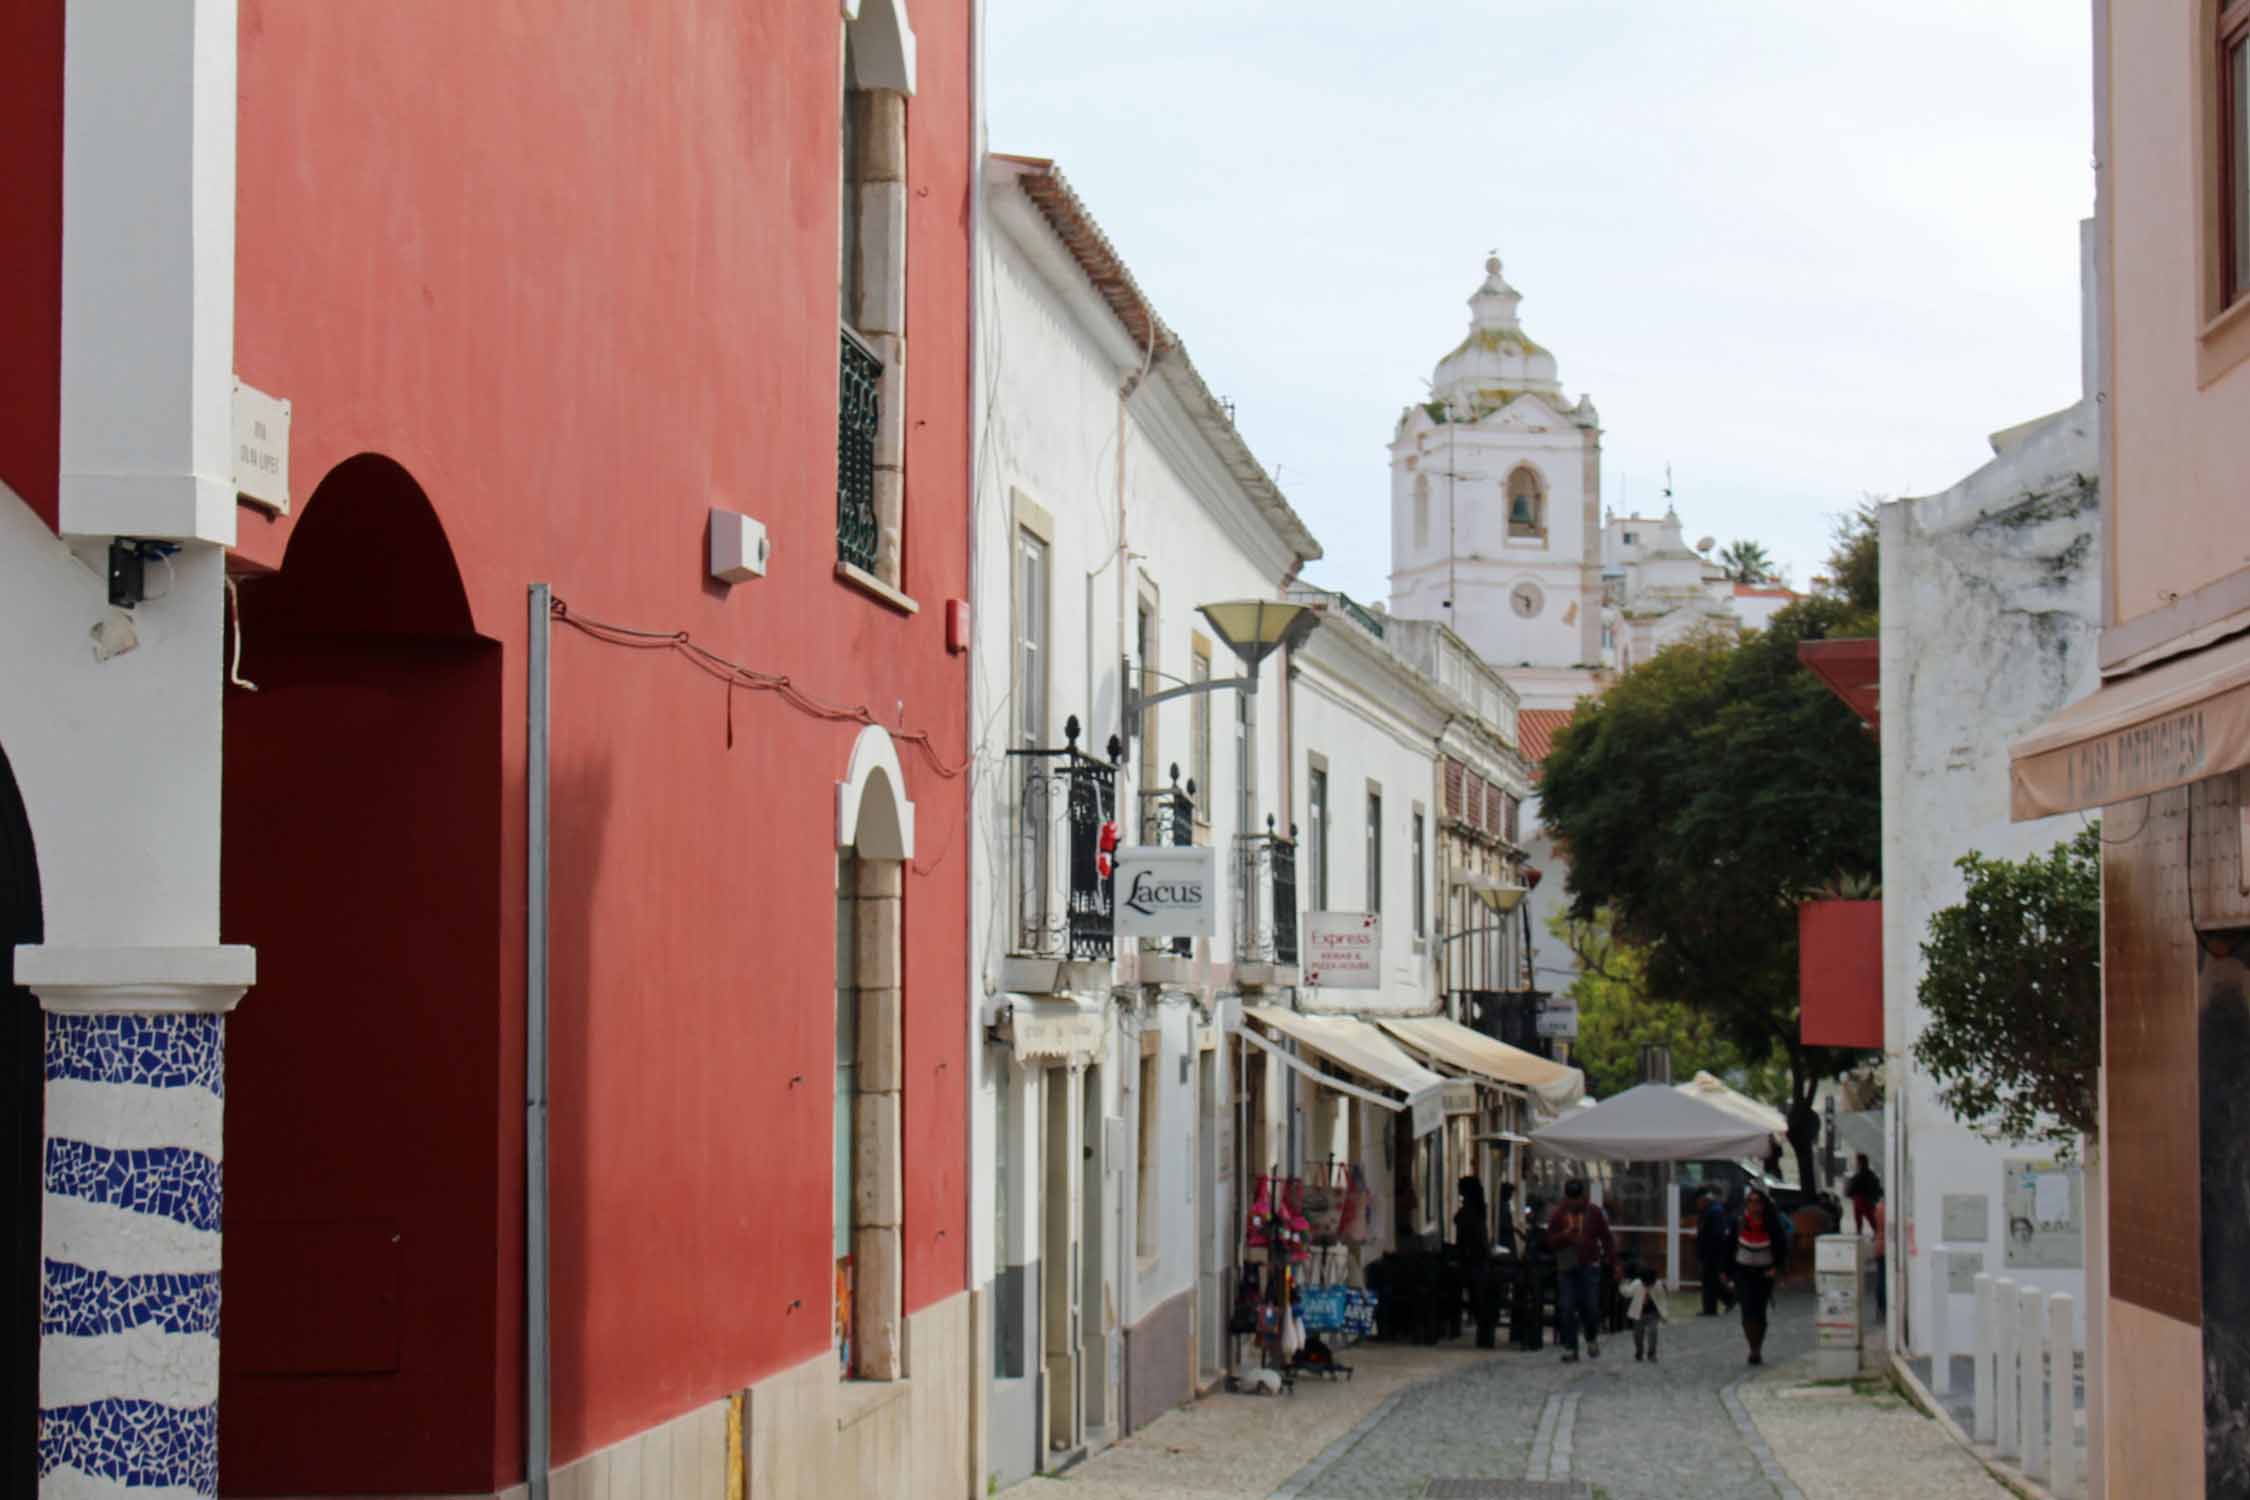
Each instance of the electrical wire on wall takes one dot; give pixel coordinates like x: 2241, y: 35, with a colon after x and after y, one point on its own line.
x: 735, y: 675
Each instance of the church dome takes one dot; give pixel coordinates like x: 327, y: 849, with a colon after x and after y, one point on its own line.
x: 1497, y: 361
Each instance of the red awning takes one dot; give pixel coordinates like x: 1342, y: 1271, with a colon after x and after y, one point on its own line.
x: 1852, y: 668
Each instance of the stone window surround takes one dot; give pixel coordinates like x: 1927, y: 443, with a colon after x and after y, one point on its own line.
x: 1537, y: 528
x: 2224, y: 340
x: 875, y: 820
x: 880, y: 82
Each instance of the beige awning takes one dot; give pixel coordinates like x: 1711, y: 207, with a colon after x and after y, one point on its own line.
x: 2166, y: 727
x: 1556, y: 1086
x: 1352, y: 1044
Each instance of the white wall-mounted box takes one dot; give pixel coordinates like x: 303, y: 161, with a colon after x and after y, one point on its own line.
x: 739, y: 548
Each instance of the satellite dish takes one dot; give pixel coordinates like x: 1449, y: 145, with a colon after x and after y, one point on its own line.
x: 1707, y: 544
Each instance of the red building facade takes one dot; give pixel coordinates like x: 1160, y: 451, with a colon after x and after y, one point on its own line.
x: 546, y: 289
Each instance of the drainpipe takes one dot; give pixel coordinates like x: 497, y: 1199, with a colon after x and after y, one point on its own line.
x: 538, y: 1369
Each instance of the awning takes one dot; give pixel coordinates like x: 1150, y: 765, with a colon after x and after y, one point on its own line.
x: 1352, y: 1044
x: 1555, y: 1085
x: 2166, y: 727
x: 1716, y: 1091
x: 1653, y: 1122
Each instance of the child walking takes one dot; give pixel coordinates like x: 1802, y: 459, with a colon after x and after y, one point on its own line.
x: 1644, y: 1310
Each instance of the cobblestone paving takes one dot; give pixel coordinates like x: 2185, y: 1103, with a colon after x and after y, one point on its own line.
x: 1636, y: 1431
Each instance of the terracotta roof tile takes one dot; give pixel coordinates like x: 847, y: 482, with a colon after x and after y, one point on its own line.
x: 1536, y: 727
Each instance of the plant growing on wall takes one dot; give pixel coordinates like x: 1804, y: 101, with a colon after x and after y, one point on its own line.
x: 1700, y: 795
x: 2013, y: 985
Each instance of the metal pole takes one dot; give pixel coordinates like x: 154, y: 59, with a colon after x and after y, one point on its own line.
x: 538, y: 1356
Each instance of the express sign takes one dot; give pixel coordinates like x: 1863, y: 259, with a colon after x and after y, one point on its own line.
x: 1163, y: 891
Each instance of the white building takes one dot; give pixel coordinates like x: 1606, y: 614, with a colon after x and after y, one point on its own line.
x: 1991, y: 612
x: 1116, y: 498
x: 1495, y: 505
x: 1657, y: 591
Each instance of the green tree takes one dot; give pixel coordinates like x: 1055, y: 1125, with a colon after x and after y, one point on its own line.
x: 1618, y: 1016
x: 1746, y: 562
x: 1700, y: 797
x: 2012, y: 979
x: 1855, y: 567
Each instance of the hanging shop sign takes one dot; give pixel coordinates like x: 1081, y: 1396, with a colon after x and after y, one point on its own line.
x: 1558, y: 1017
x: 1427, y: 1109
x: 1167, y: 892
x: 1344, y: 949
x: 1459, y: 1097
x: 1053, y: 1031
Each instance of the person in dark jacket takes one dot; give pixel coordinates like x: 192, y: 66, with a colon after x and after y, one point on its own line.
x: 1579, y: 1233
x: 1863, y: 1187
x: 1472, y: 1258
x: 1760, y: 1253
x: 1714, y: 1227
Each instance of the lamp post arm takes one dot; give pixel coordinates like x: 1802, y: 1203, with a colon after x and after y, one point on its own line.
x: 1138, y: 703
x: 1455, y: 937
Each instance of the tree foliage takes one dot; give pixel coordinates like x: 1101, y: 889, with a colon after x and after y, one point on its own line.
x: 1855, y: 567
x: 1618, y: 1016
x: 1700, y: 797
x: 1746, y: 562
x: 2013, y: 984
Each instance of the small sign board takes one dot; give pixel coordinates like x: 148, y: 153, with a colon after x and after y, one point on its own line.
x: 1965, y: 1217
x: 1558, y: 1017
x: 1055, y: 1031
x: 1167, y: 892
x: 2045, y: 1206
x: 261, y: 448
x: 1427, y: 1109
x: 1344, y: 949
x: 1459, y: 1097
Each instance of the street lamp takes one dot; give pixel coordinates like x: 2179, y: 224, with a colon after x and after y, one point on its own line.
x: 1253, y: 630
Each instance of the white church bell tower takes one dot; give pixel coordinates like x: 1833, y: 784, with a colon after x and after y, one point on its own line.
x: 1495, y: 505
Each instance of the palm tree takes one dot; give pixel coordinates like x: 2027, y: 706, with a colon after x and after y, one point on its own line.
x: 1746, y: 562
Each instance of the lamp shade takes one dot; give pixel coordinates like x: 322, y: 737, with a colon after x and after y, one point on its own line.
x: 1254, y: 628
x: 1502, y: 898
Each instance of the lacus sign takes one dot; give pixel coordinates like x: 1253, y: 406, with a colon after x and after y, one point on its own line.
x: 1163, y: 891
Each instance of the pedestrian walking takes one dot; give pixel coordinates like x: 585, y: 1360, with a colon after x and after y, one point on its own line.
x: 1864, y: 1188
x: 1579, y: 1233
x: 1472, y: 1259
x: 1713, y: 1229
x: 1644, y: 1311
x: 1760, y: 1253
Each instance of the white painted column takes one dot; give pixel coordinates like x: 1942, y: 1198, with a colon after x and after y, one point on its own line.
x: 2062, y: 1398
x: 2031, y: 1363
x: 2008, y: 1434
x: 129, y: 1297
x: 1941, y: 1332
x: 1987, y: 1342
x: 148, y: 270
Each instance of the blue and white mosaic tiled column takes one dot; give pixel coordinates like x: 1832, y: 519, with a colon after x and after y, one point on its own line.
x: 129, y: 1295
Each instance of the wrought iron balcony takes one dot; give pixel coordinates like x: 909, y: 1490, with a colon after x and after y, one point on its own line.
x: 1168, y: 817
x: 1265, y: 897
x: 859, y: 412
x: 1066, y: 805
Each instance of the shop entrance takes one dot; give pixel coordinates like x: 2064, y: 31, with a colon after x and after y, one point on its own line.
x: 1058, y: 1260
x: 1093, y: 1304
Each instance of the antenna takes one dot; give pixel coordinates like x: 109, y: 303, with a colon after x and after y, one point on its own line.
x: 1667, y: 481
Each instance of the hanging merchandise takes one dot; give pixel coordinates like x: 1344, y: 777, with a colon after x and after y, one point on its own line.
x: 1261, y: 1215
x: 1359, y: 1209
x: 1324, y: 1207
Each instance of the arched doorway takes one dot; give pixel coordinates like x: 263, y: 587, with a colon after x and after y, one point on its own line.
x: 23, y: 1084
x: 364, y: 1347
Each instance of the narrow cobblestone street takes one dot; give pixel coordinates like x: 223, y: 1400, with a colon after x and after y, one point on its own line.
x: 1691, y: 1426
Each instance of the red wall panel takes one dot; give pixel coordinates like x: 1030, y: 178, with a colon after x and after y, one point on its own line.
x: 31, y: 158
x: 574, y: 268
x: 1840, y: 973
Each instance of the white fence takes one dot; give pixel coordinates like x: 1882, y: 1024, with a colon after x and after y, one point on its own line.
x: 2026, y: 1363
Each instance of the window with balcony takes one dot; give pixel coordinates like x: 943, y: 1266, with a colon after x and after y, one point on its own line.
x: 876, y: 78
x: 1028, y: 691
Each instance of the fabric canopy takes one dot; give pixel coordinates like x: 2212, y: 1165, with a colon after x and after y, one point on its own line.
x: 1352, y: 1044
x: 1714, y: 1091
x: 1654, y: 1122
x: 2171, y: 725
x: 1556, y: 1086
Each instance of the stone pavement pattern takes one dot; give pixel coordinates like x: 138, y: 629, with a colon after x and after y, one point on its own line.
x: 1632, y: 1431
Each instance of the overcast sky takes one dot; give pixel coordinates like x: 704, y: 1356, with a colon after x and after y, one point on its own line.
x: 1797, y: 249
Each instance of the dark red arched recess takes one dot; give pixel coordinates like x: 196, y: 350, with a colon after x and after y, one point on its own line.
x: 361, y: 858
x: 22, y: 1123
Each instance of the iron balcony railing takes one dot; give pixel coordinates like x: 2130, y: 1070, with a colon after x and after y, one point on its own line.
x: 1168, y: 817
x: 859, y: 412
x: 1066, y: 806
x: 1265, y: 897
